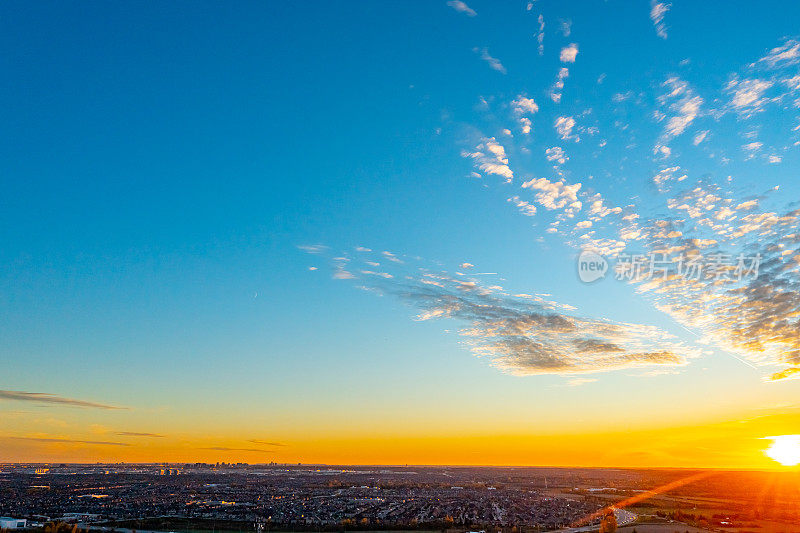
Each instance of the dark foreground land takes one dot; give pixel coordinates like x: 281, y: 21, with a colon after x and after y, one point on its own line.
x: 244, y: 498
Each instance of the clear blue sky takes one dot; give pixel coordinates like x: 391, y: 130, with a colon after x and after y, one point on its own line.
x: 166, y: 167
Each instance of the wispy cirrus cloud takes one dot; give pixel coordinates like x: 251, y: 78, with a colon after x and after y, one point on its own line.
x: 266, y: 442
x: 461, y: 7
x: 228, y: 449
x: 577, y: 382
x: 699, y: 137
x: 772, y: 79
x: 524, y: 334
x: 681, y: 106
x: 657, y: 12
x: 748, y: 95
x: 44, y: 398
x: 540, y: 35
x: 787, y: 54
x: 71, y: 441
x: 565, y: 26
x: 138, y: 434
x: 313, y: 248
x: 493, y: 62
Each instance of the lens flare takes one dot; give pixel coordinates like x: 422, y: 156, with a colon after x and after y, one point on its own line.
x: 785, y: 449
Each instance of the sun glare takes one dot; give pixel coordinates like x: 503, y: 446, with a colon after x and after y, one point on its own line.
x: 785, y: 449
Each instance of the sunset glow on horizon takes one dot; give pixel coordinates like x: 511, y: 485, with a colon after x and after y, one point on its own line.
x: 473, y: 233
x: 785, y: 449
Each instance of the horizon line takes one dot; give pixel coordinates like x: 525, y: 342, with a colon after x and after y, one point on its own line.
x: 428, y: 465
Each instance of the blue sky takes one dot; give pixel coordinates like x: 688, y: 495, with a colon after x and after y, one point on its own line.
x: 167, y: 170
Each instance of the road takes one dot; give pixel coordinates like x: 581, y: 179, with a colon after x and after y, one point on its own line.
x: 624, y: 518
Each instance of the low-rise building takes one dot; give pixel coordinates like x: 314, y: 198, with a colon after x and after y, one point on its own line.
x: 7, y: 522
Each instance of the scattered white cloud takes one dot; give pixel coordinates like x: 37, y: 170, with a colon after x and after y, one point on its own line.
x: 525, y: 125
x: 621, y: 97
x: 699, y: 137
x: 526, y: 208
x: 391, y: 257
x: 569, y: 53
x: 566, y: 27
x: 490, y: 158
x: 341, y: 273
x: 385, y: 275
x: 493, y: 62
x: 786, y: 55
x: 664, y: 178
x: 461, y: 7
x: 524, y: 105
x: 687, y: 107
x: 747, y: 96
x: 558, y: 86
x: 577, y: 382
x: 556, y: 154
x: 755, y: 317
x: 540, y: 35
x: 313, y: 248
x: 564, y: 127
x: 752, y: 147
x: 681, y: 102
x: 555, y: 194
x: 598, y: 208
x: 528, y: 334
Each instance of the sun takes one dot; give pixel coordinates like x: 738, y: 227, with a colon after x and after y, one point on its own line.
x: 785, y: 449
